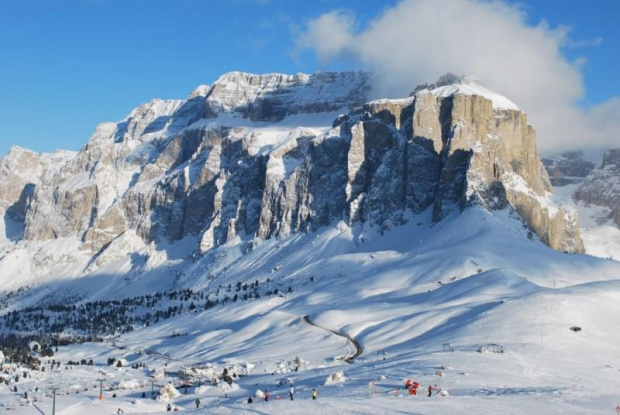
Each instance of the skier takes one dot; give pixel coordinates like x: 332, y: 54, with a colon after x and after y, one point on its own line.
x: 169, y: 408
x: 266, y: 395
x: 197, y: 403
x: 314, y: 394
x: 250, y: 400
x: 120, y: 411
x: 291, y: 392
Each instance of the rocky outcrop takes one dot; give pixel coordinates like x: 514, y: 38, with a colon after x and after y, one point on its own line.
x: 491, y: 158
x: 258, y: 156
x: 21, y: 171
x: 448, y: 152
x: 601, y: 186
x: 567, y: 168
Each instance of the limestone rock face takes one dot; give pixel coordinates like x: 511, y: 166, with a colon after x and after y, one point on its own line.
x: 489, y: 156
x: 602, y: 185
x: 448, y: 152
x: 21, y: 171
x: 18, y: 170
x: 268, y: 156
x: 83, y: 196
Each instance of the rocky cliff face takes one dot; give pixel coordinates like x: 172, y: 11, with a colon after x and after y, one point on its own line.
x: 258, y: 156
x: 20, y: 173
x: 602, y: 185
x: 461, y: 145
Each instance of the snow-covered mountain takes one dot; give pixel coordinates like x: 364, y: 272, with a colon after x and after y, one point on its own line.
x: 567, y: 168
x: 263, y: 156
x: 594, y: 190
x: 601, y: 186
x: 424, y: 228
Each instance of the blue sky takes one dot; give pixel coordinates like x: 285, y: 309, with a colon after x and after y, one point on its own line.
x: 67, y: 65
x: 590, y: 22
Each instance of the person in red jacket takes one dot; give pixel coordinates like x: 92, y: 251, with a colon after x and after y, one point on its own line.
x: 266, y: 396
x: 408, y: 384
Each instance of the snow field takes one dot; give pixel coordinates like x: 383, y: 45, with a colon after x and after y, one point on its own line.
x: 472, y: 281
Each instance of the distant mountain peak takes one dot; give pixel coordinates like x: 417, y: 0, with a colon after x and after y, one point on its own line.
x: 18, y: 150
x: 570, y: 167
x: 601, y: 187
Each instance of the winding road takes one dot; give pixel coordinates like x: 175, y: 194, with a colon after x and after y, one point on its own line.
x: 349, y: 359
x: 358, y: 347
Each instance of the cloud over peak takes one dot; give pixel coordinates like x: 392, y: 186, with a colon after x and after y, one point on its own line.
x: 417, y: 41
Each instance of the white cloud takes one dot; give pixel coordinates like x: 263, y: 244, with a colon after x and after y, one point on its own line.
x: 419, y: 40
x: 329, y: 35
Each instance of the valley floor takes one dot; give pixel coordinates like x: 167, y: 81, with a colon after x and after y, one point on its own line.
x: 480, y: 383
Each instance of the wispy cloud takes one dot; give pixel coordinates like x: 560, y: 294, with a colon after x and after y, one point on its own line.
x: 258, y: 43
x: 419, y: 40
x: 585, y: 43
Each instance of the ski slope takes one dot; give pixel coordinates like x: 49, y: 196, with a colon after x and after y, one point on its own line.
x: 473, y: 280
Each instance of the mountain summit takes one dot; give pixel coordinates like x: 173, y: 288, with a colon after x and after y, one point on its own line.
x: 264, y: 156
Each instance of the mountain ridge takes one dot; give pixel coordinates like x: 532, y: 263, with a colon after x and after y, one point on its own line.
x: 264, y: 156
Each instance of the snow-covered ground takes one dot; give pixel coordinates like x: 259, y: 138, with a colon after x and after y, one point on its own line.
x: 601, y: 237
x: 474, y: 281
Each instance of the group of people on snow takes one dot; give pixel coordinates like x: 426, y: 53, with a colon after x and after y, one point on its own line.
x: 291, y: 395
x: 413, y: 386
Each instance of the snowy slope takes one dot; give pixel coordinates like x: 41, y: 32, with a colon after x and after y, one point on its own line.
x: 402, y: 298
